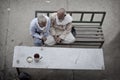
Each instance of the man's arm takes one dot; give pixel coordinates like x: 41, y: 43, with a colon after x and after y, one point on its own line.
x: 67, y: 30
x: 52, y: 29
x: 33, y: 32
x: 47, y: 32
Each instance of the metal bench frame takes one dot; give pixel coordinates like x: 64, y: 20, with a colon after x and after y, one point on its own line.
x: 82, y: 13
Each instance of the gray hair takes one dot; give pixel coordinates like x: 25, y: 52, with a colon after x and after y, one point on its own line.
x: 41, y: 18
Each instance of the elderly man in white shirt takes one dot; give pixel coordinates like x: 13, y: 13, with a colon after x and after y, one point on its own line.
x: 61, y: 25
x: 40, y: 31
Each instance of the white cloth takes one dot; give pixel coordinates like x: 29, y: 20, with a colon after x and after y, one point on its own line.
x: 50, y: 41
x: 67, y: 19
x: 42, y: 28
x: 68, y: 39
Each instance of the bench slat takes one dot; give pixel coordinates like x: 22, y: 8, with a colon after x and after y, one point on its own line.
x: 75, y: 46
x: 78, y: 26
x: 90, y: 40
x: 83, y: 44
x: 88, y: 29
x: 90, y: 33
x: 86, y: 43
x: 89, y: 36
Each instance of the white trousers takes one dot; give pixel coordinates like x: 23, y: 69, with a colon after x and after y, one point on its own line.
x: 68, y: 39
x: 50, y: 40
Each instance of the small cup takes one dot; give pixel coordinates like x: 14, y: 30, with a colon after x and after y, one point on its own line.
x: 37, y: 57
x: 29, y: 59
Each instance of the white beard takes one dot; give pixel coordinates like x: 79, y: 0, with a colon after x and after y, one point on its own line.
x: 41, y: 28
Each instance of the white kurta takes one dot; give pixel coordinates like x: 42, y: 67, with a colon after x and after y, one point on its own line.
x: 60, y: 28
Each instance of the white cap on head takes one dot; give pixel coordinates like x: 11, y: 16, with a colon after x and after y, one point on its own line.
x: 41, y: 18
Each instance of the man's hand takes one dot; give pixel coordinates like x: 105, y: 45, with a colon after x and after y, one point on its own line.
x: 58, y: 40
x: 44, y: 39
x: 55, y: 37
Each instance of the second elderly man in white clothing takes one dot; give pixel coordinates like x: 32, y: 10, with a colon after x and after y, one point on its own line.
x: 61, y: 25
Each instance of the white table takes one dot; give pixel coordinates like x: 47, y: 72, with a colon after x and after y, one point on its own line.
x: 60, y: 58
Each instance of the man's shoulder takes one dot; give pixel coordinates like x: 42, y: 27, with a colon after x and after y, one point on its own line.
x: 33, y: 22
x: 53, y: 14
x: 68, y: 16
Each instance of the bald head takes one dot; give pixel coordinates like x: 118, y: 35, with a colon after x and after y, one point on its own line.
x: 61, y: 13
x: 61, y: 10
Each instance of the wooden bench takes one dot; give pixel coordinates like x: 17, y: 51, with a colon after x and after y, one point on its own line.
x: 88, y: 28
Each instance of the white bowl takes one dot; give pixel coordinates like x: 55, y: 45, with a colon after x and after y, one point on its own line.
x: 29, y: 59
